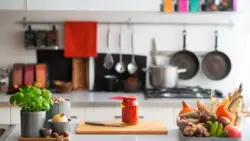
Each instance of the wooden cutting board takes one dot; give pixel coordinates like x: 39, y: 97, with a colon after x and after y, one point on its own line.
x: 143, y: 127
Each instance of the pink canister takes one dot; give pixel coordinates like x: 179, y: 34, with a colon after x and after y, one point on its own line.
x: 183, y: 5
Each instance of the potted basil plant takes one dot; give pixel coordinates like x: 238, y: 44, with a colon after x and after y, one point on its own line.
x: 34, y: 102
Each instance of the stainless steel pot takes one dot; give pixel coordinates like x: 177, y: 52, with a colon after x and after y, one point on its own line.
x: 164, y: 76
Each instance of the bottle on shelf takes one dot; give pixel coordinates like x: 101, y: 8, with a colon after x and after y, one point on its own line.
x: 194, y: 5
x: 183, y: 5
x: 168, y: 6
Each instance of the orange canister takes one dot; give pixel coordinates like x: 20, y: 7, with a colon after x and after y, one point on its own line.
x: 129, y: 109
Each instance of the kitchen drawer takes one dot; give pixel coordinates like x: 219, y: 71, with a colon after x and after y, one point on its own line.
x: 15, y: 115
x: 77, y: 114
x: 5, y: 115
x: 102, y: 113
x: 157, y: 113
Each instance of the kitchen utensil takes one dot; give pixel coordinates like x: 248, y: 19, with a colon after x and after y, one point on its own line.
x: 60, y: 127
x: 132, y: 66
x: 42, y: 38
x: 216, y: 65
x: 100, y: 71
x: 62, y: 86
x: 143, y: 127
x: 186, y: 60
x: 30, y: 37
x: 108, y: 60
x: 131, y: 84
x: 129, y: 109
x: 110, y: 83
x: 163, y: 76
x: 91, y: 74
x: 120, y: 66
x: 153, y: 52
x: 103, y: 124
x: 52, y: 37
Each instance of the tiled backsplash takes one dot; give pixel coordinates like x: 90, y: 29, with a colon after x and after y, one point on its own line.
x: 232, y: 40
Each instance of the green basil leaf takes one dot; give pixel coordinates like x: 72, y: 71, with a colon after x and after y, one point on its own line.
x: 47, y: 106
x: 32, y: 99
x: 12, y: 99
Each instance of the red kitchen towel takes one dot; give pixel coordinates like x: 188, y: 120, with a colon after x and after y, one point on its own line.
x: 80, y: 39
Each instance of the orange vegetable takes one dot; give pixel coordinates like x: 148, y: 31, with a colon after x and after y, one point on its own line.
x: 186, y: 108
x: 223, y: 112
x: 219, y: 108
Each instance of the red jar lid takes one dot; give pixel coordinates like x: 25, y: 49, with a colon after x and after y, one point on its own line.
x: 129, y: 98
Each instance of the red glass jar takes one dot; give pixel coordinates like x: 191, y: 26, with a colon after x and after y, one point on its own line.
x: 129, y: 110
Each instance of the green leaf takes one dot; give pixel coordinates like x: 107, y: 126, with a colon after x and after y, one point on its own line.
x: 12, y: 99
x: 47, y: 106
x: 32, y: 99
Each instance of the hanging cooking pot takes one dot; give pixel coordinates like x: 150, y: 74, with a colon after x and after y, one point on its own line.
x: 216, y: 65
x: 164, y: 76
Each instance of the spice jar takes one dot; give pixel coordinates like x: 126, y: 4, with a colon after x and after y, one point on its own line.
x: 129, y: 109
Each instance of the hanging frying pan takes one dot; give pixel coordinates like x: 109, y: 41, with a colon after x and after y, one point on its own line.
x: 216, y: 65
x: 185, y: 60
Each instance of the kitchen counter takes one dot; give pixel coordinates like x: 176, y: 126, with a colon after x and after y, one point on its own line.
x: 97, y: 99
x: 173, y: 135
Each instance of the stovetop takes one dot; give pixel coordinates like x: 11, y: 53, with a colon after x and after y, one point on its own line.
x: 182, y: 92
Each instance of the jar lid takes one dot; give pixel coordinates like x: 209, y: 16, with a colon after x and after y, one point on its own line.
x: 129, y: 98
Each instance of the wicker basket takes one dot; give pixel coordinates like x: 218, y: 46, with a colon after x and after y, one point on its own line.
x: 62, y: 86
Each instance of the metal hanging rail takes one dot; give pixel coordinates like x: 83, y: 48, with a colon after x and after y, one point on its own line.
x: 25, y: 22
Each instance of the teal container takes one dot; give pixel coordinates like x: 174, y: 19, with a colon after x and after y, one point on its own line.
x: 194, y: 5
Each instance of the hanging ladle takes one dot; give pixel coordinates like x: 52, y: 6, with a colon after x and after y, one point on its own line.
x: 120, y: 66
x: 132, y: 66
x: 108, y: 60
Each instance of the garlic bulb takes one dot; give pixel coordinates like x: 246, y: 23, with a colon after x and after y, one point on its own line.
x: 59, y: 118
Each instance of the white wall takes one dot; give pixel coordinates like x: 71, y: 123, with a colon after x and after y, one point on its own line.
x: 232, y: 40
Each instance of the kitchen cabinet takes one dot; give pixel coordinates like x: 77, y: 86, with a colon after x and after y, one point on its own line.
x: 77, y: 113
x: 101, y: 113
x: 158, y: 113
x: 12, y: 4
x: 15, y: 115
x: 52, y: 5
x: 5, y: 115
x: 94, y: 5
